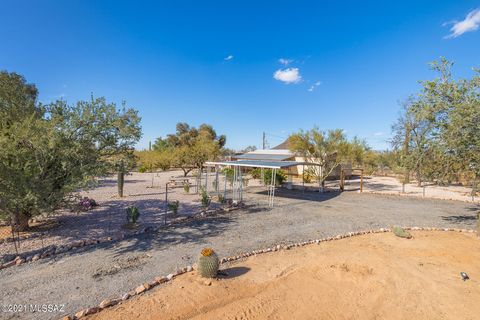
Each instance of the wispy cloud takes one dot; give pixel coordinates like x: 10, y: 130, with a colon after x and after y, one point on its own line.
x: 378, y: 134
x: 315, y: 85
x: 470, y: 23
x: 288, y: 75
x: 228, y: 58
x: 284, y: 61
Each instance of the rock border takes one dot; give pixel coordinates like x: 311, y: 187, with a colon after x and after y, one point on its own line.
x: 163, y: 279
x: 53, y: 250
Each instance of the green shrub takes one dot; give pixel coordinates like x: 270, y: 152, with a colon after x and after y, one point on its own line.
x: 143, y: 169
x: 186, y: 187
x: 173, y: 206
x: 132, y: 214
x: 280, y: 177
x: 228, y: 172
x: 206, y: 200
x: 256, y: 173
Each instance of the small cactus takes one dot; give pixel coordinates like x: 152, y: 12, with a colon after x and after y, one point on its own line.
x: 478, y: 224
x: 206, y: 200
x: 208, y: 263
x: 173, y: 206
x: 132, y: 214
x: 400, y: 232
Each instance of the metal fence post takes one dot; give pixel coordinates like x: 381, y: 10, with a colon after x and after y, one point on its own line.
x: 166, y: 202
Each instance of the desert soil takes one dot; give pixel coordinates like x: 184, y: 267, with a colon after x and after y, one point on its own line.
x: 390, y: 185
x: 377, y: 276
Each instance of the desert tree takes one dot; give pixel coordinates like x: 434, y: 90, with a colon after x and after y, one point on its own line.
x: 191, y: 147
x: 49, y: 152
x: 453, y: 109
x: 439, y: 129
x: 412, y: 139
x: 325, y: 148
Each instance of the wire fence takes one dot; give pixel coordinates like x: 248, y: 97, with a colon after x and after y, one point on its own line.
x: 159, y: 204
x: 164, y: 201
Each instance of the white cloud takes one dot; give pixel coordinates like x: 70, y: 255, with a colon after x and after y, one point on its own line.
x: 471, y: 23
x: 285, y: 61
x: 228, y: 58
x: 288, y: 75
x: 377, y: 134
x: 313, y: 86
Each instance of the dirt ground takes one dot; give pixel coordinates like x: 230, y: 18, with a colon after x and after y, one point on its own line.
x: 390, y: 185
x: 377, y: 276
x: 82, y: 278
x: 147, y: 192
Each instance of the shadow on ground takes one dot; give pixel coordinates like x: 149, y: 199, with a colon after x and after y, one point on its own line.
x: 308, y: 195
x: 233, y: 272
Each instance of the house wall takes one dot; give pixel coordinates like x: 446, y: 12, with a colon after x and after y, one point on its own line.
x: 347, y: 167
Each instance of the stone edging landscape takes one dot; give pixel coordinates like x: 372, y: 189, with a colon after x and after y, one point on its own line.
x: 53, y: 250
x: 163, y: 279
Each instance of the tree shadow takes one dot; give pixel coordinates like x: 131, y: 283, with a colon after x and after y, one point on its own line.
x: 460, y: 219
x: 188, y: 232
x: 474, y: 208
x: 307, y: 195
x: 382, y: 187
x: 107, y: 220
x: 108, y: 182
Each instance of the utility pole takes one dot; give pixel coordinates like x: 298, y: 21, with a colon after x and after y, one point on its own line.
x: 150, y: 146
x: 263, y: 141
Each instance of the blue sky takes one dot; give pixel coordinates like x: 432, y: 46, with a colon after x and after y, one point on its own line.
x: 243, y: 66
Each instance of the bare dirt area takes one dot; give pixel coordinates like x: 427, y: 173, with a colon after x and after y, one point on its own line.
x: 390, y: 185
x: 377, y: 276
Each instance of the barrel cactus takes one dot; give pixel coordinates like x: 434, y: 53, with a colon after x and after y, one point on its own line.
x: 208, y: 263
x: 400, y: 232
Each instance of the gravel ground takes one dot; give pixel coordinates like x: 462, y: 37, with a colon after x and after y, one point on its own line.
x: 89, y: 275
x: 147, y: 192
x: 144, y: 190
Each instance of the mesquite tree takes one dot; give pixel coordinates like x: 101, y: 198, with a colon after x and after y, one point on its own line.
x: 444, y: 125
x: 48, y: 152
x: 191, y: 147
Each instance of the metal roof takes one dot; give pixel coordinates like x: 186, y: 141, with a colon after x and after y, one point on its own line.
x: 259, y: 164
x: 263, y: 156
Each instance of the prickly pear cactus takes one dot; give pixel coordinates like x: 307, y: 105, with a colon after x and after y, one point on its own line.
x: 400, y: 232
x: 208, y: 263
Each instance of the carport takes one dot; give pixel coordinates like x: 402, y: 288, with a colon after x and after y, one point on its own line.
x: 237, y: 183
